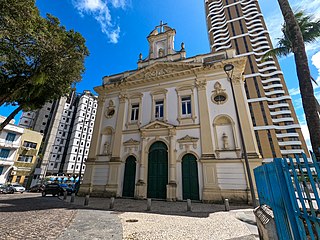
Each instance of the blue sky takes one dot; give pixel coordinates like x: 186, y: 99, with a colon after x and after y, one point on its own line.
x: 116, y: 31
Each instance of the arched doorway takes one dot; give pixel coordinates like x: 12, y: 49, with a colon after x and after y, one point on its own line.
x: 190, y: 182
x: 157, y: 171
x: 129, y: 177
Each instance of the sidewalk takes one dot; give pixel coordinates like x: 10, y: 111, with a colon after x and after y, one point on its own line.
x: 166, y: 220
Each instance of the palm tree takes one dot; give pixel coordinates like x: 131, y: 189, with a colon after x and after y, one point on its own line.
x: 310, y: 30
x: 297, y: 30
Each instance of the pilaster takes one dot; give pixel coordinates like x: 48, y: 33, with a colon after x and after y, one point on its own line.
x: 119, y: 127
x: 244, y: 115
x: 172, y: 185
x: 140, y: 191
x: 206, y: 137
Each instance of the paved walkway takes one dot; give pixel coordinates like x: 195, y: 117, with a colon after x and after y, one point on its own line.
x: 166, y: 220
x: 93, y: 224
x: 53, y: 218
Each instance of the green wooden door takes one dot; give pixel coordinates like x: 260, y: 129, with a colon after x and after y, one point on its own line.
x: 157, y: 171
x: 129, y: 177
x: 190, y: 182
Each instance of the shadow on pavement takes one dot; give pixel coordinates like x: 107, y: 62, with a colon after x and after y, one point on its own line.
x: 33, y: 201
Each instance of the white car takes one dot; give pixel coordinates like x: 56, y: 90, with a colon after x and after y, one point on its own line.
x: 17, y: 187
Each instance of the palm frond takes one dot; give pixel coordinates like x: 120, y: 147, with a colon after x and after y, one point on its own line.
x: 279, y: 51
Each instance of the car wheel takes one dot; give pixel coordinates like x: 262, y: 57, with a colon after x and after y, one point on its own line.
x: 43, y: 194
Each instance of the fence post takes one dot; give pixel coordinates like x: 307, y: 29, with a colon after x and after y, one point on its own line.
x: 226, y: 205
x: 65, y: 195
x: 72, y: 197
x: 149, y: 204
x: 188, y: 205
x: 86, y: 200
x: 111, y: 203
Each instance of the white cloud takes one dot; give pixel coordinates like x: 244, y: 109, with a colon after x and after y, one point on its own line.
x: 114, y: 35
x: 100, y: 10
x: 119, y: 3
x: 306, y: 135
x: 294, y: 91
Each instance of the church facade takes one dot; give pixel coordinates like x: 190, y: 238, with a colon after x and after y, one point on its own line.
x: 169, y: 130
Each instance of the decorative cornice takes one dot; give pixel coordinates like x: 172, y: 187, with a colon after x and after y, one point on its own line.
x: 180, y: 69
x: 187, y: 139
x: 157, y: 125
x: 131, y: 142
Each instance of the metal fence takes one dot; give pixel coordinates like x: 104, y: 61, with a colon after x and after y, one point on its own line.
x: 291, y: 188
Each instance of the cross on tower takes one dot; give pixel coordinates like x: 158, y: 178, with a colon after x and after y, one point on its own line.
x: 160, y: 27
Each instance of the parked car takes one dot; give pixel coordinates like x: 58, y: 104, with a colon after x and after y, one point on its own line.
x: 68, y: 187
x: 4, y: 189
x: 17, y: 187
x: 37, y: 188
x: 52, y: 188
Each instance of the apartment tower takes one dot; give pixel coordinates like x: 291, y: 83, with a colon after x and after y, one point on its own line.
x: 239, y: 24
x: 67, y: 126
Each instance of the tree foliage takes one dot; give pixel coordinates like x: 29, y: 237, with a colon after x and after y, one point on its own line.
x: 39, y: 58
x: 310, y: 29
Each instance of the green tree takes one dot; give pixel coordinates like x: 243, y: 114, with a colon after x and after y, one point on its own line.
x: 299, y: 29
x: 39, y: 59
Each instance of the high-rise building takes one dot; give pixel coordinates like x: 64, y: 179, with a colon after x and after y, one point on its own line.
x: 67, y: 125
x: 239, y: 24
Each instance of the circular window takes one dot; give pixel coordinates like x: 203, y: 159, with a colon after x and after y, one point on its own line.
x: 219, y: 98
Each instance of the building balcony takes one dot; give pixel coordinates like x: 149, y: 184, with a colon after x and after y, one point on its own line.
x: 8, y: 144
x: 6, y: 162
x: 27, y: 151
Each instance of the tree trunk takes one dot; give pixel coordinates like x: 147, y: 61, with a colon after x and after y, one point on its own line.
x: 308, y: 100
x: 10, y: 117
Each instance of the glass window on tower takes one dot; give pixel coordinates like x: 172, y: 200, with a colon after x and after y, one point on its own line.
x: 10, y: 137
x: 4, y: 153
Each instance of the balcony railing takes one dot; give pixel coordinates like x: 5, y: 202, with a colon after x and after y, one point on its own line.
x: 8, y: 144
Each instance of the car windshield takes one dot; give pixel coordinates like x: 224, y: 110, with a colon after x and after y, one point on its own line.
x: 16, y: 185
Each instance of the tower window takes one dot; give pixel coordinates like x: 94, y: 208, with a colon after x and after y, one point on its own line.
x: 134, y: 112
x: 186, y: 105
x: 159, y: 109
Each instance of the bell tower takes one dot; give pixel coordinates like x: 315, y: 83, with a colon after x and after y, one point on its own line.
x: 161, y: 46
x: 161, y: 41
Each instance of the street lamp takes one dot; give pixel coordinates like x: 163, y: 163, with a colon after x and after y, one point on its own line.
x: 228, y: 68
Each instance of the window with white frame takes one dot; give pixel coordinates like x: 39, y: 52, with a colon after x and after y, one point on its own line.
x: 134, y: 112
x: 158, y: 109
x: 186, y: 106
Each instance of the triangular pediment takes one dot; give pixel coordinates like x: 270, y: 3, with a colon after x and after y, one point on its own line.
x: 160, y: 69
x: 157, y: 125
